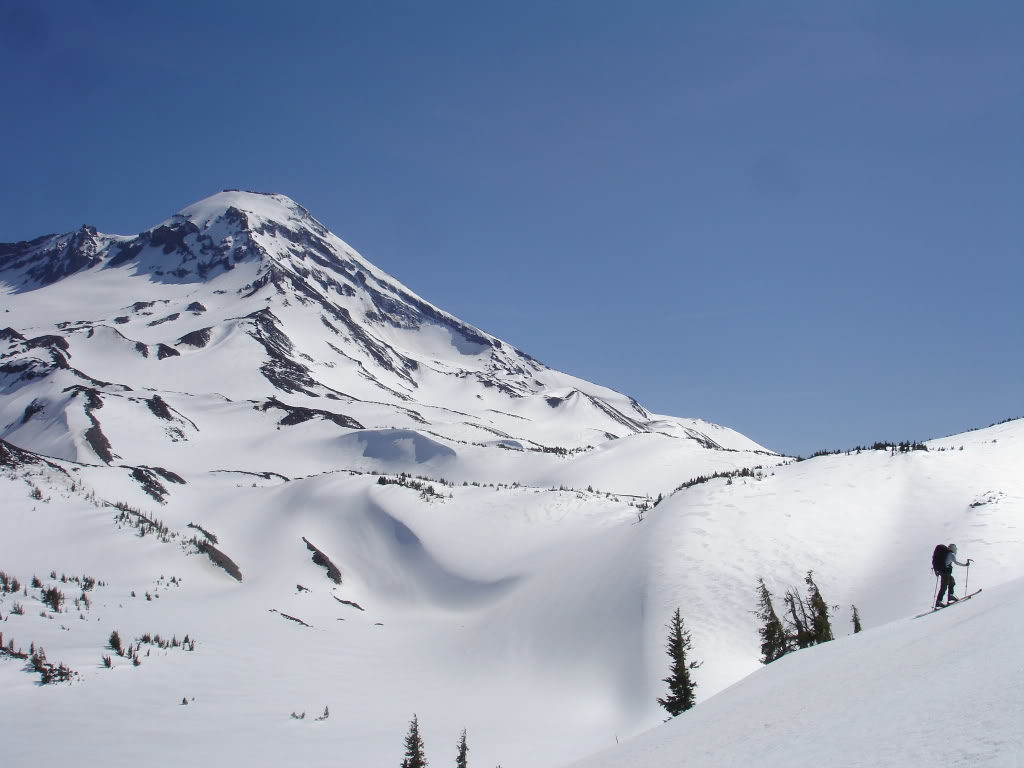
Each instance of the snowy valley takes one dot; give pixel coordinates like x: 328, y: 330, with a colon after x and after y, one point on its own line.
x: 357, y: 507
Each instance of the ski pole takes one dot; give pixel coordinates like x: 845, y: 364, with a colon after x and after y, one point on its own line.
x: 935, y: 592
x: 967, y: 578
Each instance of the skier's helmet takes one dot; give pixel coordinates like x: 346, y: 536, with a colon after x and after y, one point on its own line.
x: 952, y: 548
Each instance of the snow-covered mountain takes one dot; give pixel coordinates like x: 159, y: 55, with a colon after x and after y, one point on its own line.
x: 203, y: 433
x: 207, y: 339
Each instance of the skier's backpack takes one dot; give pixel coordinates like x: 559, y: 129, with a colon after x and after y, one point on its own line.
x: 939, y: 557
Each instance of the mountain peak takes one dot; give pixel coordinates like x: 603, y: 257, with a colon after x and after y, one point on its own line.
x: 250, y: 210
x: 255, y: 207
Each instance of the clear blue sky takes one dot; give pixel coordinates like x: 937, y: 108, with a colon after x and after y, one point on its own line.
x: 801, y: 220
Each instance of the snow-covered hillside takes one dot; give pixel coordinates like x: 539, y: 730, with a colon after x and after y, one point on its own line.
x: 942, y: 689
x: 205, y: 430
x: 532, y: 617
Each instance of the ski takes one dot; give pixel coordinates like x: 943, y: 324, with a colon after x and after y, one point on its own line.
x: 946, y: 605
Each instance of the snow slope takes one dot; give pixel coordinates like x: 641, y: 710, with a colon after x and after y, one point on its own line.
x: 532, y: 617
x: 944, y: 689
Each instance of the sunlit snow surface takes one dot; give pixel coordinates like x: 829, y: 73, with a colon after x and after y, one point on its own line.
x: 525, y: 599
x: 947, y: 684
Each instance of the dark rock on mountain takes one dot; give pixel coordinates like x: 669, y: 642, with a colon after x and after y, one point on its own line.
x: 333, y: 572
x: 148, y: 480
x: 218, y: 558
x: 197, y: 339
x: 162, y: 320
x: 167, y: 475
x: 94, y: 435
x: 46, y: 342
x: 50, y: 258
x: 13, y: 457
x: 297, y: 415
x: 163, y: 351
x: 159, y: 408
x: 31, y: 410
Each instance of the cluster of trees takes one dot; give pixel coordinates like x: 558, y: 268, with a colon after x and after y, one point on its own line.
x: 806, y: 620
x: 134, y: 654
x: 755, y: 472
x: 9, y: 584
x: 407, y: 481
x: 9, y: 650
x: 49, y: 673
x: 295, y: 716
x: 415, y: 752
x: 136, y: 518
x: 37, y: 662
x: 50, y: 596
x: 903, y: 447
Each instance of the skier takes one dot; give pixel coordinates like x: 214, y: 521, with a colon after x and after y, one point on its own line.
x: 943, y: 566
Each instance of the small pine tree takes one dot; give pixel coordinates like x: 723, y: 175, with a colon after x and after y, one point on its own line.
x: 414, y: 752
x: 681, y: 685
x: 115, y: 643
x: 460, y: 759
x: 774, y: 643
x: 820, y: 626
x: 856, y: 620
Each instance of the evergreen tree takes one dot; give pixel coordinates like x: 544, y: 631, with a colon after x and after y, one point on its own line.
x: 798, y: 624
x: 460, y: 760
x: 680, y: 685
x: 414, y: 754
x: 856, y: 620
x: 774, y: 643
x: 820, y: 626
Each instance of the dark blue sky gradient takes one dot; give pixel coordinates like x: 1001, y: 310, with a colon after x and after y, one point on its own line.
x: 801, y: 220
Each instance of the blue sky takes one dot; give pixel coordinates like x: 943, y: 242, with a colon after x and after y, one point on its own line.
x: 801, y: 220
